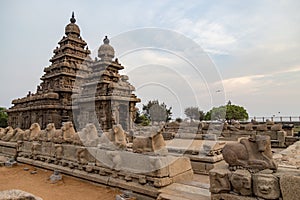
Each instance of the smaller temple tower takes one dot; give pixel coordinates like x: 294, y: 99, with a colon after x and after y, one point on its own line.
x: 52, y: 102
x: 107, y: 97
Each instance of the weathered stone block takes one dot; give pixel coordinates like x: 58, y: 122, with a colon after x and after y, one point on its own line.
x: 161, y: 182
x: 9, y: 151
x: 69, y: 152
x: 266, y: 186
x: 289, y: 185
x: 281, y: 135
x: 241, y: 182
x: 219, y: 180
x: 182, y: 177
x: 85, y: 155
x: 26, y: 147
x: 198, y: 167
x: 47, y: 149
x: 179, y: 166
x: 208, y: 167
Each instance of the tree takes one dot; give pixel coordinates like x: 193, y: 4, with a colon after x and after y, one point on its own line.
x: 228, y: 112
x: 194, y: 113
x: 157, y: 112
x: 141, y: 119
x: 236, y: 112
x: 3, y: 118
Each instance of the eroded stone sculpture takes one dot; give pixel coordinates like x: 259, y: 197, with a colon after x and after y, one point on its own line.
x: 241, y: 182
x: 114, y: 139
x: 50, y: 131
x: 266, y: 186
x: 68, y: 132
x: 34, y: 132
x: 251, y: 153
x: 219, y: 181
x: 18, y: 135
x: 2, y: 133
x: 8, y: 134
x: 89, y: 135
x: 153, y: 143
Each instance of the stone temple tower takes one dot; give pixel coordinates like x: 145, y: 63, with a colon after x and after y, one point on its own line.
x: 52, y: 102
x: 106, y: 96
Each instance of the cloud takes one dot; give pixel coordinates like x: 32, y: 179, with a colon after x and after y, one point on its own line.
x: 265, y: 93
x: 212, y: 36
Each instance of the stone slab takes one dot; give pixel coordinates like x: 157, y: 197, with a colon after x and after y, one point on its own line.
x: 208, y: 159
x: 8, y: 144
x: 179, y: 165
x: 183, y: 192
x: 9, y: 151
x: 290, y: 187
x: 198, y: 167
x: 47, y: 149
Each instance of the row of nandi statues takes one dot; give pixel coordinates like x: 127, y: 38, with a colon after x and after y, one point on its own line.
x: 67, y: 134
x: 115, y: 138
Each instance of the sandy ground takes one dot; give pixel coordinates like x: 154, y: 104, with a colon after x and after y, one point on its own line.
x: 38, y: 184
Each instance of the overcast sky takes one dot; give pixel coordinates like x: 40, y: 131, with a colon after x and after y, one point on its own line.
x: 250, y: 50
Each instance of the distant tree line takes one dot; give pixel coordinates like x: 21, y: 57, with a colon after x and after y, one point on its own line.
x: 154, y: 111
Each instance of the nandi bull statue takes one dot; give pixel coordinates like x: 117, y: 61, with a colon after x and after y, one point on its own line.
x: 253, y: 154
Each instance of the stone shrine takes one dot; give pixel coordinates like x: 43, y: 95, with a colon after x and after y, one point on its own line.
x: 106, y: 96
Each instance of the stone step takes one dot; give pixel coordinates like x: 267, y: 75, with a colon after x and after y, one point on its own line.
x: 180, y: 191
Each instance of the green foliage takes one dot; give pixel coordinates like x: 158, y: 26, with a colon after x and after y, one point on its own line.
x: 3, y: 118
x: 236, y: 112
x: 157, y: 112
x: 142, y: 119
x: 227, y: 112
x: 178, y: 119
x: 194, y: 113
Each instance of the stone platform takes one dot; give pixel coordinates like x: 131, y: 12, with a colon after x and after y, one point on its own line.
x: 203, y: 154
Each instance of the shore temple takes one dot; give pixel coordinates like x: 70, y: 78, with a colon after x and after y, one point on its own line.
x: 76, y: 88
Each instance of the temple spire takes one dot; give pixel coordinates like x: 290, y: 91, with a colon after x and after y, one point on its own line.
x: 73, y: 20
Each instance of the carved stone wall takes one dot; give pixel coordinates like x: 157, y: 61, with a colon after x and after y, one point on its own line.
x: 242, y: 185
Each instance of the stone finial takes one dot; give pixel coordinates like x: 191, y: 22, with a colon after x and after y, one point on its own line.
x: 105, y: 51
x: 72, y: 19
x: 106, y: 40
